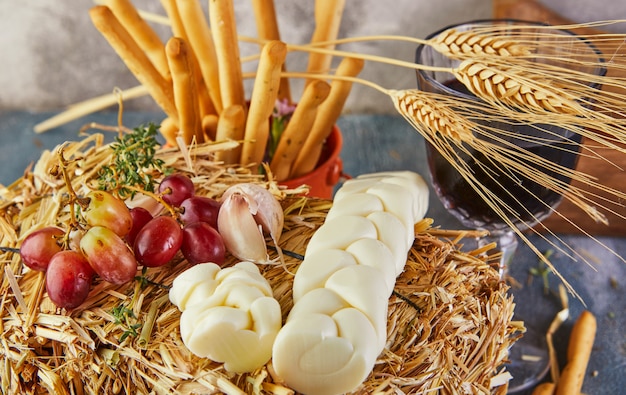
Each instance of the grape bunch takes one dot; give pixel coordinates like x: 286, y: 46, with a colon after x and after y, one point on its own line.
x: 116, y: 240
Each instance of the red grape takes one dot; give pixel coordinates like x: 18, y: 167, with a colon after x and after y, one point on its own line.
x: 202, y: 243
x: 175, y: 188
x: 158, y: 241
x: 106, y: 210
x: 200, y: 209
x: 40, y: 246
x: 108, y: 255
x: 140, y: 217
x: 68, y: 279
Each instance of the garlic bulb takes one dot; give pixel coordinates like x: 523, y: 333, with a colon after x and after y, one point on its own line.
x: 248, y: 211
x: 229, y: 315
x: 338, y: 324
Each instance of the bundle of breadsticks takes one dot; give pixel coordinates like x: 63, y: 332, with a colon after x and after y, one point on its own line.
x: 196, y: 78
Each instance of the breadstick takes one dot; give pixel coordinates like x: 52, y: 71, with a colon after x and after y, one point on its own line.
x: 179, y: 30
x: 169, y: 131
x: 185, y: 90
x: 298, y: 128
x: 578, y: 353
x: 327, y: 116
x: 209, y: 126
x: 139, y: 29
x: 89, y: 106
x: 224, y: 30
x: 135, y: 59
x: 328, y: 15
x: 544, y: 389
x: 230, y: 126
x: 267, y: 29
x: 178, y: 27
x: 201, y: 41
x: 264, y: 93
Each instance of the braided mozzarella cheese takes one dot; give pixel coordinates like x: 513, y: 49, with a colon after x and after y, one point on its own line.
x: 228, y: 315
x: 338, y: 324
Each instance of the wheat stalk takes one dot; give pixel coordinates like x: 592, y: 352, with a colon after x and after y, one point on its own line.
x: 515, y: 87
x: 426, y: 112
x: 455, y: 125
x: 461, y: 45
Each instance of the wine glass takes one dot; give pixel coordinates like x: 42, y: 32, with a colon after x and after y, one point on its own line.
x: 525, y: 202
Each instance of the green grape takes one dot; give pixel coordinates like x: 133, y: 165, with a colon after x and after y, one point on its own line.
x: 106, y: 210
x: 108, y: 255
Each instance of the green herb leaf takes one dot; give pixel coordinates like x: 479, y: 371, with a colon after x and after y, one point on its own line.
x: 133, y: 159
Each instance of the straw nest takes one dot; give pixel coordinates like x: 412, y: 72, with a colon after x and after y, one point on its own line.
x: 449, y: 327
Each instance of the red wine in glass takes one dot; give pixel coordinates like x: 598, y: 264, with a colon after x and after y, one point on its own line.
x: 527, y: 201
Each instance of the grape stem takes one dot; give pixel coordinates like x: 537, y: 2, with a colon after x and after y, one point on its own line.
x: 73, y: 197
x: 158, y: 198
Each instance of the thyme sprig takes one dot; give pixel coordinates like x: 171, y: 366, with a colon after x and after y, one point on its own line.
x: 133, y: 157
x: 124, y: 316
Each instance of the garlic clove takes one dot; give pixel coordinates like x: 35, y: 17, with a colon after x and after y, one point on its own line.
x: 267, y: 210
x: 242, y: 236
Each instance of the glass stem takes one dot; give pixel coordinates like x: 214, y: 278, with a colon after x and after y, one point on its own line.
x: 506, y: 244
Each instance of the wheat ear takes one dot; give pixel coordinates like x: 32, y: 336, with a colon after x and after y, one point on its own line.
x: 515, y: 87
x: 461, y: 45
x: 426, y: 113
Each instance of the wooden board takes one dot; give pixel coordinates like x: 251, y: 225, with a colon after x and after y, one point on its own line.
x: 609, y: 173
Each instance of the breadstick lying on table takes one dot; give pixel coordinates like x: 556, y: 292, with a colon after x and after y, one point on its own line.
x: 135, y: 59
x: 224, y: 30
x: 201, y: 41
x: 328, y: 15
x: 327, y: 116
x: 230, y: 126
x: 298, y: 128
x: 141, y: 31
x: 262, y: 102
x: 578, y: 353
x: 267, y: 29
x: 185, y: 90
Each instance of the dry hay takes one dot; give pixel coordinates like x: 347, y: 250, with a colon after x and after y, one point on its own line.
x: 449, y: 318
